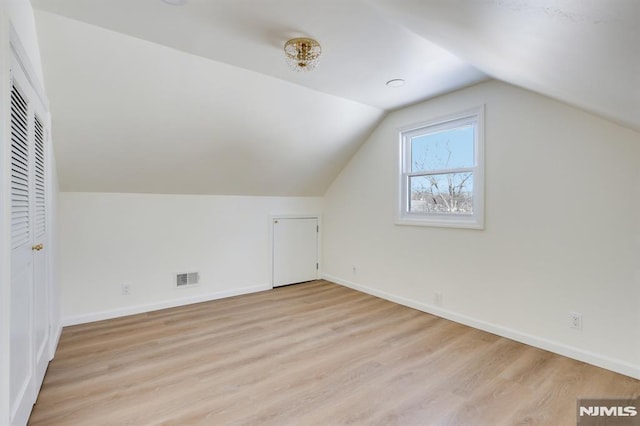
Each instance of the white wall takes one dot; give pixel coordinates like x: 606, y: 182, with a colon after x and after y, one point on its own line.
x: 562, y: 228
x: 108, y: 239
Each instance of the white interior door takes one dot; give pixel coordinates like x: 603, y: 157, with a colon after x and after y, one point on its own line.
x: 295, y: 250
x: 29, y: 316
x: 21, y: 349
x: 40, y: 282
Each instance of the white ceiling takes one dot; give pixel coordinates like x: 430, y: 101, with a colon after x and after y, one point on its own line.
x: 149, y: 97
x: 133, y: 116
x: 362, y: 49
x: 583, y: 52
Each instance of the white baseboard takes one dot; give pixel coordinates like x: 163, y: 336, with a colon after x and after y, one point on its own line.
x: 598, y: 360
x: 55, y: 336
x: 139, y: 309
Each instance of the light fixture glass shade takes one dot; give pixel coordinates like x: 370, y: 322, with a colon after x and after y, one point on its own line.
x: 302, y: 54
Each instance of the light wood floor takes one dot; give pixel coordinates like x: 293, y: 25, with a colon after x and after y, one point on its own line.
x: 310, y: 354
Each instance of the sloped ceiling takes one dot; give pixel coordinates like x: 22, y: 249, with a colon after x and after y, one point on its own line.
x: 149, y: 97
x: 133, y: 116
x: 583, y: 52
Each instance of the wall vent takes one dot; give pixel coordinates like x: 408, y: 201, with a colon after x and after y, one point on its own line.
x: 186, y: 279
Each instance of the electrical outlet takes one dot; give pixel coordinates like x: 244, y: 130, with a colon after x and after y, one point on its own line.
x: 126, y: 289
x: 438, y: 298
x: 575, y: 320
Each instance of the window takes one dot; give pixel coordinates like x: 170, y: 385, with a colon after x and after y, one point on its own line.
x: 441, y: 172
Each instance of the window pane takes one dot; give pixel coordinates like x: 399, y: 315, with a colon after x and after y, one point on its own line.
x: 448, y: 149
x: 444, y: 193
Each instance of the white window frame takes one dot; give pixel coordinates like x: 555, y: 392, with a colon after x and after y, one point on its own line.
x: 473, y: 116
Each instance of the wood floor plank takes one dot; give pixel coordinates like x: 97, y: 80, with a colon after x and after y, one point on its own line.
x: 314, y: 353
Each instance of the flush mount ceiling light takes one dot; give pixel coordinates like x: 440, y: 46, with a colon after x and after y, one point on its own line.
x: 176, y: 2
x: 302, y: 54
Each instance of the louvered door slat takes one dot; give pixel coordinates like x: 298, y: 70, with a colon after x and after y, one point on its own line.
x: 19, y: 170
x: 20, y: 132
x: 20, y: 209
x: 40, y: 196
x: 20, y: 146
x: 20, y: 224
x: 20, y: 184
x: 17, y: 134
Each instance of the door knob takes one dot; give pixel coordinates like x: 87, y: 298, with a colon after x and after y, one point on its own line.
x: 37, y: 247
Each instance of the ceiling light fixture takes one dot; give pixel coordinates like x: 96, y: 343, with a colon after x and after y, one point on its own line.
x: 302, y: 54
x: 175, y: 2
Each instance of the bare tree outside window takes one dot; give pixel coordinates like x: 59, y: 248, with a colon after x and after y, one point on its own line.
x: 448, y: 193
x: 439, y: 193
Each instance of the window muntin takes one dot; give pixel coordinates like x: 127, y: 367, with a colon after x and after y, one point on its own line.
x: 441, y: 176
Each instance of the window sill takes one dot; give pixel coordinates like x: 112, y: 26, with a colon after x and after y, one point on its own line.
x: 462, y: 223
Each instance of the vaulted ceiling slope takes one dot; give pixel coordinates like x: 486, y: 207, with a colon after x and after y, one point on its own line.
x: 133, y: 116
x: 585, y: 53
x: 362, y: 48
x: 150, y: 97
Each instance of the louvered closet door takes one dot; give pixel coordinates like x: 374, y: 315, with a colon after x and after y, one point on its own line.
x: 29, y: 317
x: 21, y: 359
x: 40, y: 284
